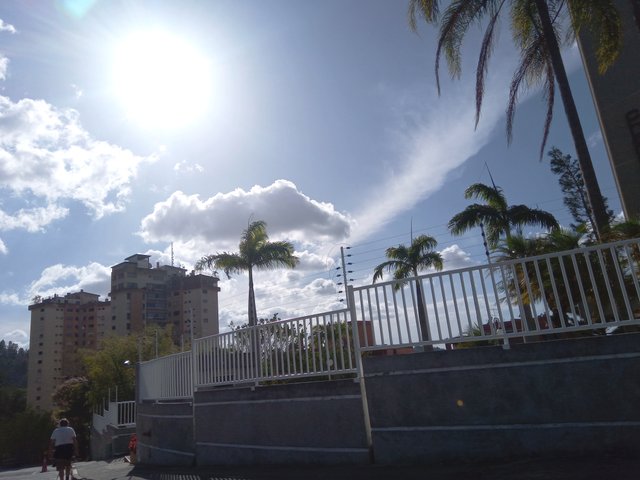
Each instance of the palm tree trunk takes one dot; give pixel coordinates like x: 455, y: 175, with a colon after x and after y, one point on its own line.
x: 422, y: 314
x: 582, y: 151
x: 252, y: 311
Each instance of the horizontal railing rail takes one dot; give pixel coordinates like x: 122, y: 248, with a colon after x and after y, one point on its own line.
x: 167, y: 377
x: 116, y: 414
x: 589, y: 289
x: 314, y: 345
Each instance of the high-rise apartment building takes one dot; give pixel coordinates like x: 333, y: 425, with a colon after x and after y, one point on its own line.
x: 60, y: 327
x: 165, y: 295
x: 141, y: 295
x: 616, y: 95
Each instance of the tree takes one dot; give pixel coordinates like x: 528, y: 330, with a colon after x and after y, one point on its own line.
x: 573, y: 190
x: 496, y: 216
x: 537, y: 29
x: 255, y: 252
x: 406, y: 262
x: 107, y: 368
x: 72, y: 400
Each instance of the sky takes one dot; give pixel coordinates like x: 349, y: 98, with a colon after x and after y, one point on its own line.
x: 130, y: 126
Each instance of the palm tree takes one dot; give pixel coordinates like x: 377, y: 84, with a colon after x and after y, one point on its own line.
x: 256, y: 252
x: 536, y: 27
x: 406, y: 262
x: 496, y: 216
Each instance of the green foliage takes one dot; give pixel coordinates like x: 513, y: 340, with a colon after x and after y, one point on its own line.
x: 407, y: 262
x: 111, y: 367
x: 255, y: 252
x: 496, y: 216
x: 14, y: 361
x: 573, y: 189
x: 72, y: 398
x: 24, y: 437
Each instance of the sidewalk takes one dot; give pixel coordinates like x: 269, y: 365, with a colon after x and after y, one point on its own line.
x: 591, y: 468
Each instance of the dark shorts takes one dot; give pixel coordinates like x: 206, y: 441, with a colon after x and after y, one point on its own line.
x: 63, y: 453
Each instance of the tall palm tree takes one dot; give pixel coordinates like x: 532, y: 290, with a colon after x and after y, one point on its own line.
x: 537, y: 30
x: 496, y: 216
x: 256, y: 252
x: 406, y: 262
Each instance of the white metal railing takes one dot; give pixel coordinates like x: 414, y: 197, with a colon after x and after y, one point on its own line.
x: 315, y: 345
x: 117, y: 414
x: 166, y: 377
x: 593, y: 288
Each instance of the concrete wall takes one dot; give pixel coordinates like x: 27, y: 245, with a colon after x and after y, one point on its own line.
x: 111, y: 442
x: 165, y: 433
x: 571, y: 397
x: 317, y: 422
x: 568, y: 397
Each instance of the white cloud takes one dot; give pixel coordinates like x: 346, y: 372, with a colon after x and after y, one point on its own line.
x: 594, y: 139
x: 454, y: 257
x: 11, y: 298
x: 3, y: 248
x: 7, y: 27
x: 61, y: 279
x: 183, y: 166
x: 45, y: 153
x: 32, y: 220
x: 4, y: 66
x: 219, y: 220
x: 433, y: 144
x: 18, y: 336
x: 77, y: 91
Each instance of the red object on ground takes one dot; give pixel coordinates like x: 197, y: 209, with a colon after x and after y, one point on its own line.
x: 44, y: 463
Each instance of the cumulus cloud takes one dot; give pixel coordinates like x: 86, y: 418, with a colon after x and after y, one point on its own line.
x: 7, y: 27
x: 220, y: 219
x: 45, y: 153
x: 455, y: 257
x: 3, y: 248
x: 61, y: 279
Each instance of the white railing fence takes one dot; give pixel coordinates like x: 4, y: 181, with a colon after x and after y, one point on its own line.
x: 117, y: 414
x: 594, y: 290
x: 315, y: 345
x: 166, y: 377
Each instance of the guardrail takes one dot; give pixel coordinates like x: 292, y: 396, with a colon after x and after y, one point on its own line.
x: 588, y: 289
x: 166, y: 377
x: 593, y: 290
x: 117, y: 414
x: 314, y: 345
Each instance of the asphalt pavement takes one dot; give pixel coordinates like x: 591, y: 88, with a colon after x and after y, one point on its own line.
x: 591, y: 468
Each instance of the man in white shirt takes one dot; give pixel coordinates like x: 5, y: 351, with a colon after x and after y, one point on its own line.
x: 64, y: 445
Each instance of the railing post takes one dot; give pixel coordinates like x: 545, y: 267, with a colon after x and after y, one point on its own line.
x: 359, y: 369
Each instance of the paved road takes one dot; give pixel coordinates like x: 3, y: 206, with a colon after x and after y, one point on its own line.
x: 605, y: 468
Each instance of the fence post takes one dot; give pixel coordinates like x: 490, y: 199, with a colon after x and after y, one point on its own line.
x: 360, y: 371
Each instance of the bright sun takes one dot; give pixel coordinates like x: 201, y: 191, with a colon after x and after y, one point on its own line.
x: 162, y: 81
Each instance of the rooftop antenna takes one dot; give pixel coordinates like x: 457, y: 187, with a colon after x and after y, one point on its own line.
x: 172, y: 254
x: 490, y: 176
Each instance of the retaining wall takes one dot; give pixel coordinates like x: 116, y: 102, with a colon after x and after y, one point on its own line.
x: 557, y: 398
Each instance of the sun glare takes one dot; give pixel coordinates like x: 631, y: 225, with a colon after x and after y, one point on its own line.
x: 161, y: 80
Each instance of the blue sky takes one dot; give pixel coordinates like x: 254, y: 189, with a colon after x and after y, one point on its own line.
x: 125, y: 126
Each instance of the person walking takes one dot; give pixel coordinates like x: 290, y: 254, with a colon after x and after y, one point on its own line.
x: 64, y: 445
